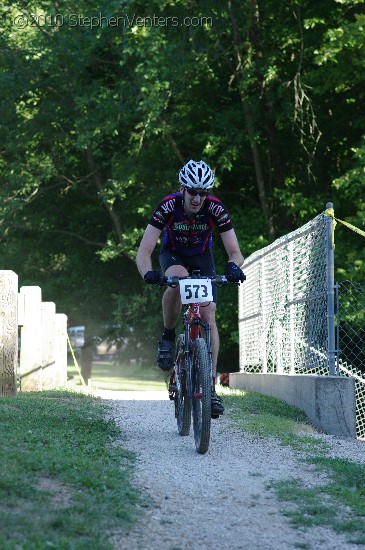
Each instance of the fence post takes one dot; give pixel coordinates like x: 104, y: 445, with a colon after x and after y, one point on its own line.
x: 242, y: 347
x: 8, y: 332
x: 331, y: 340
x: 61, y: 350
x: 263, y: 316
x: 279, y: 343
x: 31, y: 342
x: 48, y: 314
x: 291, y: 309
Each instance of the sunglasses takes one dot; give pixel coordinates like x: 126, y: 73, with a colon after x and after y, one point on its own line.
x: 194, y: 192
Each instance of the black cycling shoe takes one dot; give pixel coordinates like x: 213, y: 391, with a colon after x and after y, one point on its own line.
x: 165, y: 354
x: 217, y: 405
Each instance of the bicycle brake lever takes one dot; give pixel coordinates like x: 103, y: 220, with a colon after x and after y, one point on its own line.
x: 219, y: 280
x: 172, y: 282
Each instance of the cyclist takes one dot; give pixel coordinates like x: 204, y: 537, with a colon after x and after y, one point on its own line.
x: 187, y: 219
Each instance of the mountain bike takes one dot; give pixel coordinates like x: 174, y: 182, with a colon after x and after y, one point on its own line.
x: 191, y: 379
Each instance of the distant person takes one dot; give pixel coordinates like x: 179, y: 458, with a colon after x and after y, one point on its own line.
x: 187, y: 219
x: 86, y: 359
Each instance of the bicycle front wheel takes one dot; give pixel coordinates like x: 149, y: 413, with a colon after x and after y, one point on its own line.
x: 182, y: 400
x: 202, y: 386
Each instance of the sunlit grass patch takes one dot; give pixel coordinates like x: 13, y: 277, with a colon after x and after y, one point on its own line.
x: 107, y: 375
x: 264, y: 415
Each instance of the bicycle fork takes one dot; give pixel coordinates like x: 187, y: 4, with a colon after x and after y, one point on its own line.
x: 191, y: 331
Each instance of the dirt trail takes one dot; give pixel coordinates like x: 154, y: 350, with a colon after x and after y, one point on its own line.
x: 219, y: 500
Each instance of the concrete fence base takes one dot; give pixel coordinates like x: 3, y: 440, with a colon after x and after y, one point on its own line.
x: 328, y: 401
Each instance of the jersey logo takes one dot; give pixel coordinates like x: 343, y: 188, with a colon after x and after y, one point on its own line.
x: 180, y: 226
x: 168, y: 206
x: 215, y: 209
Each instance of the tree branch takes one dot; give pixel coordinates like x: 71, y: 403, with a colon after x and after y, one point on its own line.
x: 95, y: 174
x: 28, y: 227
x: 172, y: 140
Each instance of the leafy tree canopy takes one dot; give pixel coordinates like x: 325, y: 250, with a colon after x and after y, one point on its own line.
x: 102, y: 102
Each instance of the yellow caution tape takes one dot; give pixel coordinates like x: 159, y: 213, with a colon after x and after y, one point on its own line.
x: 75, y: 360
x: 330, y: 212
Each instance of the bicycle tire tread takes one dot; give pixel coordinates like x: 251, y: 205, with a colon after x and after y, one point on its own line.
x: 184, y: 405
x: 202, y: 405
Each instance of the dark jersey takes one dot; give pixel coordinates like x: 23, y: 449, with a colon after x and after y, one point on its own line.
x: 190, y: 236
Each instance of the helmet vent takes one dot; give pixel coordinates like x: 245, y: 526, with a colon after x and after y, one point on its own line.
x: 196, y: 175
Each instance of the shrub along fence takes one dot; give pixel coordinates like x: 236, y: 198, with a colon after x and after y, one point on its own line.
x: 33, y: 339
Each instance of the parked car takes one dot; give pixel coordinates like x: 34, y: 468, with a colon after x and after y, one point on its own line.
x: 77, y: 337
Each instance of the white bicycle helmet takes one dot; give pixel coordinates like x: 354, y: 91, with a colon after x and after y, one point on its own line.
x: 196, y: 175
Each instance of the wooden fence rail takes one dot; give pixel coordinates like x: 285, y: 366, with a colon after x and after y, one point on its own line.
x: 33, y: 328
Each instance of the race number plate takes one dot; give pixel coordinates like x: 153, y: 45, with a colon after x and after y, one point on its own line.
x: 196, y: 291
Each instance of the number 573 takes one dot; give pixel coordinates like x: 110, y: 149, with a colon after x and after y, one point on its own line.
x: 192, y: 291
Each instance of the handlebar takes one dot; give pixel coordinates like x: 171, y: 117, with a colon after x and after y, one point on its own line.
x: 217, y: 280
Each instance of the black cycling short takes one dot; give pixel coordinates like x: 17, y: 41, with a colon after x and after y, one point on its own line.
x: 203, y: 262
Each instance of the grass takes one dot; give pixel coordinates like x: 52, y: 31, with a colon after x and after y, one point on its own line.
x: 261, y: 414
x: 338, y: 504
x: 107, y: 375
x: 63, y: 484
x: 267, y: 416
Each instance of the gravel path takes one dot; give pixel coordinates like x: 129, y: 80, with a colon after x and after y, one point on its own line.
x: 219, y: 500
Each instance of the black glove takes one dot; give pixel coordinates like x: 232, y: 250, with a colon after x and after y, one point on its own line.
x: 153, y: 277
x: 233, y: 273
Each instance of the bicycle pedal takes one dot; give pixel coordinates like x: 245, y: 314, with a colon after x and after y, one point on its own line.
x: 171, y: 396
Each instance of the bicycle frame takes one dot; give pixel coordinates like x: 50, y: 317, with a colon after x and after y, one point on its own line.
x: 191, y: 379
x: 191, y: 322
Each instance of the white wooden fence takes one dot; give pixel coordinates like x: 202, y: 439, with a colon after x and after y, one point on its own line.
x: 33, y: 339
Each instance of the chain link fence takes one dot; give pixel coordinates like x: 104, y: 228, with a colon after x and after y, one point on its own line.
x: 350, y: 298
x: 286, y: 311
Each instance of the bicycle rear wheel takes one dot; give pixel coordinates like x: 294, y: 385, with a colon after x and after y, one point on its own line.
x: 202, y: 385
x: 182, y: 401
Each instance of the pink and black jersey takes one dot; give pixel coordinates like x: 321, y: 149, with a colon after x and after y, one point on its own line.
x: 190, y: 236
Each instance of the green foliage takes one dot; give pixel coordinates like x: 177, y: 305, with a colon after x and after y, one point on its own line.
x: 95, y: 123
x: 141, y: 316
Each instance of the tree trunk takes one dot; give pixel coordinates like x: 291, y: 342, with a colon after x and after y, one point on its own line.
x: 265, y: 205
x: 274, y: 151
x: 250, y: 125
